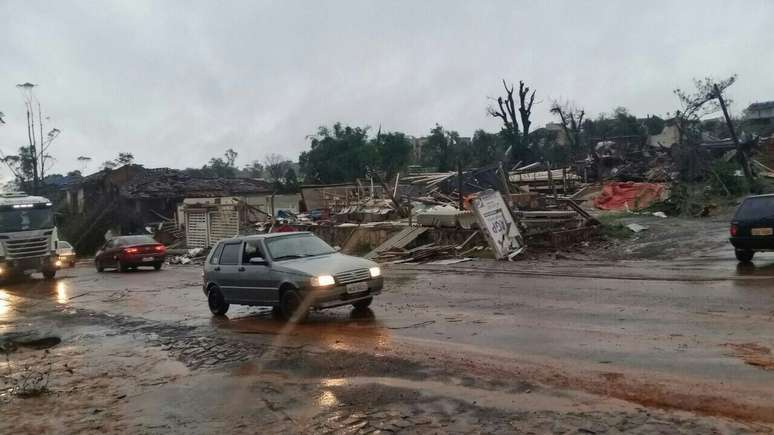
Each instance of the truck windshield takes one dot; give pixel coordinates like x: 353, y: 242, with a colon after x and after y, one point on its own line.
x: 756, y: 208
x: 26, y: 219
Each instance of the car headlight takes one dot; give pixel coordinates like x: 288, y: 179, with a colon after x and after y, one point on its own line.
x: 375, y: 271
x: 323, y: 280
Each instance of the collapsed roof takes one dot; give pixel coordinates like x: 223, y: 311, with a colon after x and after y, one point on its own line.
x: 171, y: 183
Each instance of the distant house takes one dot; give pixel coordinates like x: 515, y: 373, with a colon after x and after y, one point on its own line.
x: 760, y: 111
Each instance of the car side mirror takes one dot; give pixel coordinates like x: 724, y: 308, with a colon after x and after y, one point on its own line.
x: 258, y: 261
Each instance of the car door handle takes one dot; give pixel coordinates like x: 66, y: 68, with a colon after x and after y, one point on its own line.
x: 241, y: 269
x: 217, y: 268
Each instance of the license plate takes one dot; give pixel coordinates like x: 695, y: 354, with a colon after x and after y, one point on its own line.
x: 357, y: 287
x: 762, y: 231
x: 146, y: 259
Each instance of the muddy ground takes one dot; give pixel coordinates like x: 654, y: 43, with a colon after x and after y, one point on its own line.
x: 659, y: 334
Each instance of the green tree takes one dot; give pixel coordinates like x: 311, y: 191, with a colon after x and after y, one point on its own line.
x: 394, y: 152
x: 291, y: 184
x: 435, y: 150
x: 124, y: 159
x: 486, y: 148
x: 338, y: 154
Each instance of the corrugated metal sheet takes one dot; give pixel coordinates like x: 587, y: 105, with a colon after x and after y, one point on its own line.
x: 400, y: 240
x: 196, y: 229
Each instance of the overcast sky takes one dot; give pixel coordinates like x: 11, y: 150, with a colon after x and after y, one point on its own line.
x: 177, y: 82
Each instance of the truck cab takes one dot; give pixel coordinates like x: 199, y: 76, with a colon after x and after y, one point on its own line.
x: 27, y: 236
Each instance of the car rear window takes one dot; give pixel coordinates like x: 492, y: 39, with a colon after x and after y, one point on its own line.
x: 230, y: 254
x: 756, y: 208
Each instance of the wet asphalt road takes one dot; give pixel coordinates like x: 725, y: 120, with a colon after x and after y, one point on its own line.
x: 687, y: 334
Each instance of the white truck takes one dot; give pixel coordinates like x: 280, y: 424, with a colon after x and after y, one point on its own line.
x: 28, y: 236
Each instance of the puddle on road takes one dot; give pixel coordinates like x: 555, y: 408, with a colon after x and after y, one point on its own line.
x: 334, y: 330
x: 517, y: 401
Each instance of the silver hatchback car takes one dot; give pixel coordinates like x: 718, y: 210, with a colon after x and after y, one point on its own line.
x: 292, y: 272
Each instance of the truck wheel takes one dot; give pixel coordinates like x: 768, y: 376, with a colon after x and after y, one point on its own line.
x: 291, y: 306
x: 216, y: 301
x: 49, y: 274
x: 363, y: 304
x: 743, y: 255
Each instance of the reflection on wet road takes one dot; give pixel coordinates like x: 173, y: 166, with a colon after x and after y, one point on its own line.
x: 692, y: 321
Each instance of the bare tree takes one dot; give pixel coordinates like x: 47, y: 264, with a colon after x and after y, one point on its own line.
x: 276, y: 165
x: 705, y: 100
x: 506, y: 111
x: 36, y: 156
x: 571, y: 120
x: 231, y: 156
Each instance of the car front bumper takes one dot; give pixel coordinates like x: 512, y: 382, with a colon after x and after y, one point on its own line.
x: 337, y: 295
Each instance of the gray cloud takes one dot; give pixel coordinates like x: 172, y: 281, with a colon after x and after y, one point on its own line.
x: 179, y: 82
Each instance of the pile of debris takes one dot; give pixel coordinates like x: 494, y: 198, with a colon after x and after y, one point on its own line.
x: 187, y: 256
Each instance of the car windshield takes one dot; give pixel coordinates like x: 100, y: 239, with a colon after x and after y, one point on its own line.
x: 756, y: 208
x: 297, y: 246
x: 24, y: 220
x: 137, y: 240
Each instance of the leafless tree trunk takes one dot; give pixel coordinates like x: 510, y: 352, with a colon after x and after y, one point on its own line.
x: 571, y: 120
x: 506, y: 110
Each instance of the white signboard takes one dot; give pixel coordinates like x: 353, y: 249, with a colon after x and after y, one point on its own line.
x: 497, y: 223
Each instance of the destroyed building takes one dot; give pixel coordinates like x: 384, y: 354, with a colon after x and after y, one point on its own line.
x: 133, y: 199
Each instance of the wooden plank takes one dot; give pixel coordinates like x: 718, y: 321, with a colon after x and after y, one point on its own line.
x: 400, y: 240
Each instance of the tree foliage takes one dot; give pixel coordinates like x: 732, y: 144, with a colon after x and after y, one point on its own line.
x: 338, y: 154
x: 393, y: 151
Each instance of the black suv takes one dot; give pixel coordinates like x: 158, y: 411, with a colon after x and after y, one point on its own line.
x: 752, y: 228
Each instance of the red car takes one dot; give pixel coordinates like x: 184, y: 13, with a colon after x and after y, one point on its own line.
x: 130, y: 252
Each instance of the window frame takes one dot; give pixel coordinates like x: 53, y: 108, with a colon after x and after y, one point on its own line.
x: 238, y: 257
x: 215, y: 257
x: 260, y: 250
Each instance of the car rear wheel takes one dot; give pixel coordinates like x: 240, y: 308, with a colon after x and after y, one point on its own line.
x: 743, y: 255
x: 291, y: 306
x: 216, y: 301
x: 363, y: 304
x: 122, y: 267
x: 100, y: 267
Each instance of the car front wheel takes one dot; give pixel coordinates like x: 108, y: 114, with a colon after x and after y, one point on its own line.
x: 291, y: 306
x: 363, y: 304
x: 216, y: 301
x: 743, y: 255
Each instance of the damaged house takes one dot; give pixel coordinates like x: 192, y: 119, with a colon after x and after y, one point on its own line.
x: 133, y: 199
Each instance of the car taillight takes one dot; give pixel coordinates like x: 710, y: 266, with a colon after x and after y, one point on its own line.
x: 160, y: 248
x: 733, y: 230
x: 131, y: 250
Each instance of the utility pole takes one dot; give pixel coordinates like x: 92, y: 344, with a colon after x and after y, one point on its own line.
x: 741, y: 154
x: 460, y: 184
